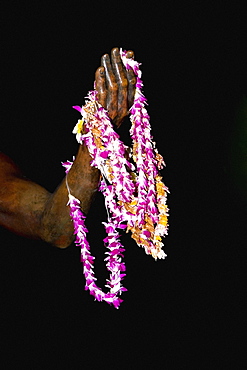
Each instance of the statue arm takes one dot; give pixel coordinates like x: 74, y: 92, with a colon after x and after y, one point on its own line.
x: 28, y: 209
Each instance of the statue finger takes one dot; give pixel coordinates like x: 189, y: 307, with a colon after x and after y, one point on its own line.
x: 111, y: 87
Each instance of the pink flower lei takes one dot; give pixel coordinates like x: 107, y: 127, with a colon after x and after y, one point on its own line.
x: 135, y: 196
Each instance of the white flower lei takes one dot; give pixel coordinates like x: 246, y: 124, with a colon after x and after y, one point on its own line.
x: 135, y: 196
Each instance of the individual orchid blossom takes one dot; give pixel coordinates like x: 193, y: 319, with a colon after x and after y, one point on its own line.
x: 68, y: 165
x: 135, y: 196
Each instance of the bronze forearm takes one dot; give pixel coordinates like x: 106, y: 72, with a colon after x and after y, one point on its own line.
x: 83, y: 180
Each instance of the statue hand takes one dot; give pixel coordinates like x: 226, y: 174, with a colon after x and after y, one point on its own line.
x: 115, y: 86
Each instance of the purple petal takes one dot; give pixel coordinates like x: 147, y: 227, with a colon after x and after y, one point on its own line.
x: 104, y: 154
x: 77, y: 108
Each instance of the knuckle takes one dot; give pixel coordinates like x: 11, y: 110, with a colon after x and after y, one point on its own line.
x: 102, y: 95
x: 132, y: 81
x: 124, y: 82
x: 100, y: 88
x: 114, y: 86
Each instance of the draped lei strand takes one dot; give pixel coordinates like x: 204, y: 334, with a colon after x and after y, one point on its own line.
x: 135, y: 196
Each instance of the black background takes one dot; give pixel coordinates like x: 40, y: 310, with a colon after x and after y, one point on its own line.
x: 186, y: 311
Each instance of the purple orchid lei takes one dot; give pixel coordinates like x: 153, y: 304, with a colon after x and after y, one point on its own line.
x: 135, y: 196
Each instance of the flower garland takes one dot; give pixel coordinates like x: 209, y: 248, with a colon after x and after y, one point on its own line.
x: 135, y: 196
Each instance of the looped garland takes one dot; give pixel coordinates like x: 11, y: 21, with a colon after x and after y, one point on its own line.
x: 135, y: 196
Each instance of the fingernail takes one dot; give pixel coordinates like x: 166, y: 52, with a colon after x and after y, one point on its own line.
x: 115, y: 52
x: 104, y: 58
x: 130, y: 54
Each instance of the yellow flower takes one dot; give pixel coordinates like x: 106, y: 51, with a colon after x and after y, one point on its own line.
x: 79, y: 126
x: 134, y: 202
x: 160, y: 188
x: 129, y: 208
x: 163, y: 220
x: 78, y: 129
x: 162, y: 208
